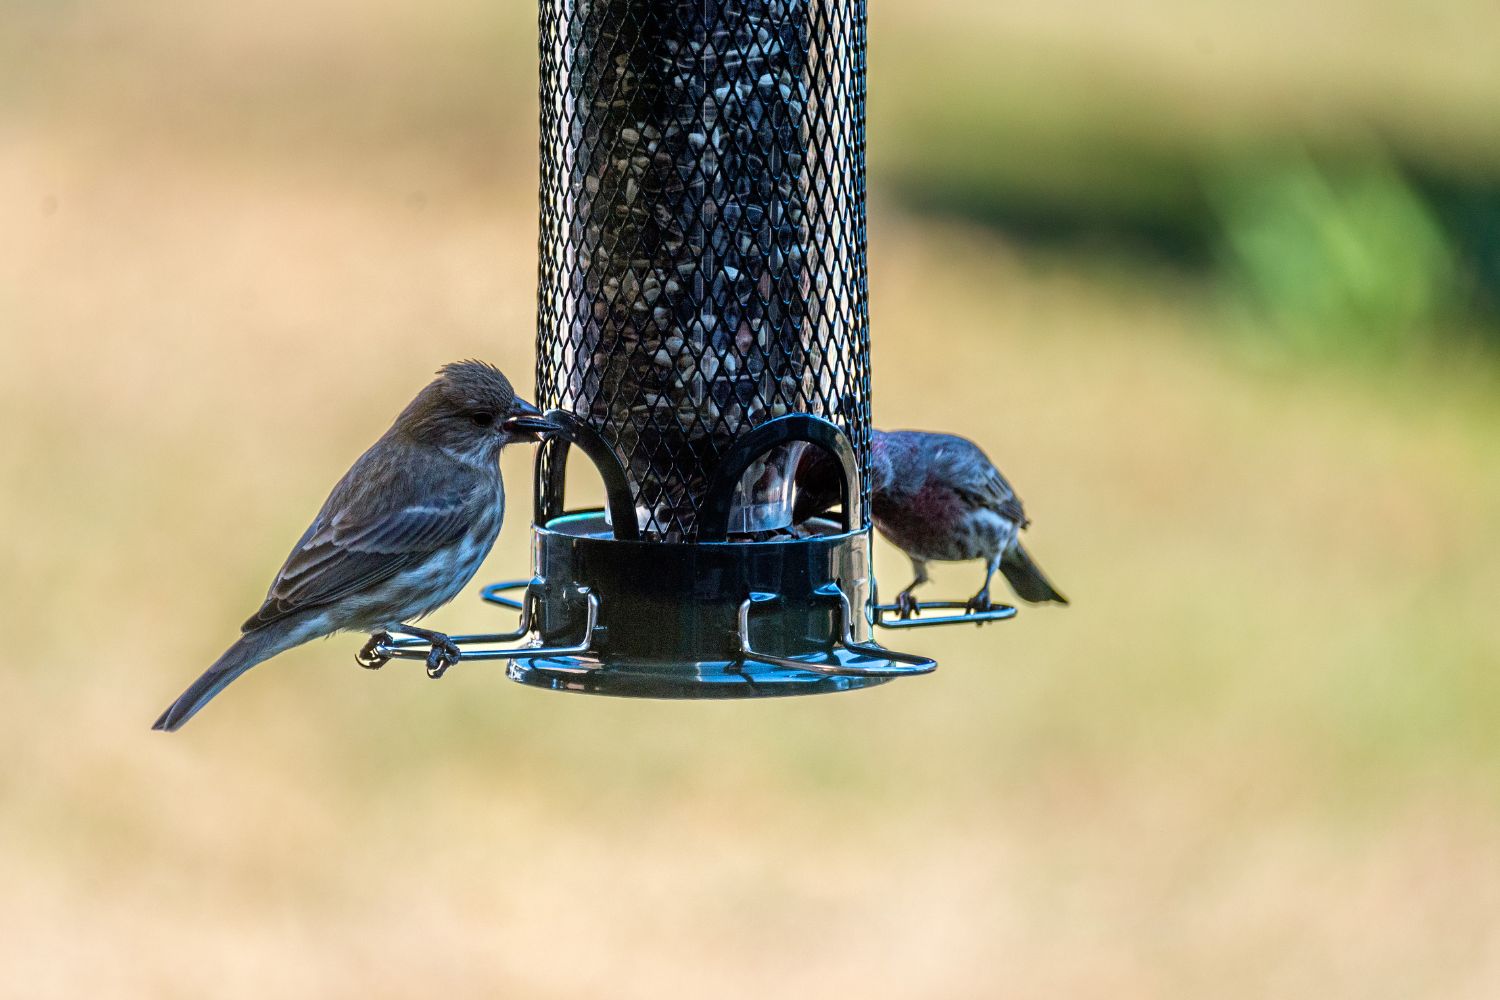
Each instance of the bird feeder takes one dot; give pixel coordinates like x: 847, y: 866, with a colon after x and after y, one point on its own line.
x: 702, y: 319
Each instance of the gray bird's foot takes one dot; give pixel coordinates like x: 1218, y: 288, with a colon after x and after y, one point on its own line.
x: 370, y: 656
x: 979, y: 603
x: 907, y: 605
x: 445, y: 653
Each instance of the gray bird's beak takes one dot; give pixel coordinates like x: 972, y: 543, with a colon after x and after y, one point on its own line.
x: 529, y: 422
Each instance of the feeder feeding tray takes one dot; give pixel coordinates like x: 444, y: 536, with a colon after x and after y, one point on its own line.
x: 702, y: 320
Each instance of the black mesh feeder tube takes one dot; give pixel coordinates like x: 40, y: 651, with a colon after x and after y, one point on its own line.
x: 702, y: 320
x: 702, y: 260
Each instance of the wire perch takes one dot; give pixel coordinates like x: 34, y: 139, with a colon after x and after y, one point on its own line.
x: 382, y: 649
x: 886, y: 662
x: 994, y: 613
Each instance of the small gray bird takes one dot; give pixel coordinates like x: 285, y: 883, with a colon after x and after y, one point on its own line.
x: 400, y: 535
x: 936, y: 497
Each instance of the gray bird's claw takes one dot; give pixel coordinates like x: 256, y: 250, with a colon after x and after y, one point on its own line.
x: 445, y: 653
x: 370, y: 657
x: 907, y: 605
x: 979, y: 604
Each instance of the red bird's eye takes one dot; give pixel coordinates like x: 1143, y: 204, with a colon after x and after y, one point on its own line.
x: 483, y: 418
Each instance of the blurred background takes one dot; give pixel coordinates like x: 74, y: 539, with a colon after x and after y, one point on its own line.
x: 1218, y: 285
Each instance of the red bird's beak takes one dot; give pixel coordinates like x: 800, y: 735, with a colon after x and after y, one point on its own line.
x: 529, y: 423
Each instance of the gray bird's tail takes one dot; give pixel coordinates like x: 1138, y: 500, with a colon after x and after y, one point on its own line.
x: 1026, y: 578
x: 250, y: 649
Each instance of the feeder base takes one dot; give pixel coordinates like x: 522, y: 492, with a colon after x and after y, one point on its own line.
x: 711, y: 620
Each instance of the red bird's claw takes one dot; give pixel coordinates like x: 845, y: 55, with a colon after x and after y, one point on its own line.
x: 441, y: 658
x: 370, y: 656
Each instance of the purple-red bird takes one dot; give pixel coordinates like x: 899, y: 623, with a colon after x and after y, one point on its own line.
x: 400, y: 535
x: 938, y: 498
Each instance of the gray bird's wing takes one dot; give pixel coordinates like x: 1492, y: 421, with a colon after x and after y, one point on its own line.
x: 977, y: 481
x: 393, y: 509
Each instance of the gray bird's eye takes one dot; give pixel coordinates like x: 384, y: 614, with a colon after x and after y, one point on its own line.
x: 482, y: 418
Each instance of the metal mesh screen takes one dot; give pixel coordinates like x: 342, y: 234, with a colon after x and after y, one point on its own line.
x: 702, y: 254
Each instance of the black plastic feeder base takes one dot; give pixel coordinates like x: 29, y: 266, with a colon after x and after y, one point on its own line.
x: 702, y: 620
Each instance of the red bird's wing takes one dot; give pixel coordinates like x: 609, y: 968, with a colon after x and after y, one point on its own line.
x: 976, y: 479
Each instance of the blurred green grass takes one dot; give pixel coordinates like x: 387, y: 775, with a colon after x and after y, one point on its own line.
x: 1333, y: 172
x: 1258, y: 756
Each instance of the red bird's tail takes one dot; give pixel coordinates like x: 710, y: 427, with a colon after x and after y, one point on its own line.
x: 1026, y: 578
